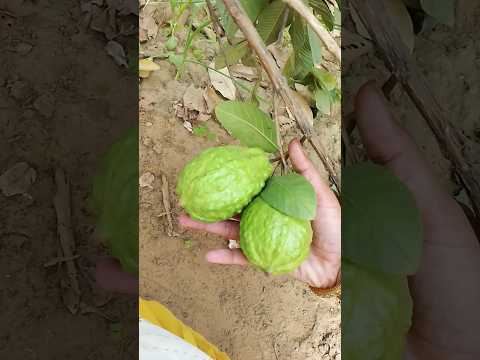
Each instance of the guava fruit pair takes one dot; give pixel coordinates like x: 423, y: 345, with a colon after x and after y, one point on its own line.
x: 224, y: 181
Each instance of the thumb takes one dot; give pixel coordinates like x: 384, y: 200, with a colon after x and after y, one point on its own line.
x: 389, y: 145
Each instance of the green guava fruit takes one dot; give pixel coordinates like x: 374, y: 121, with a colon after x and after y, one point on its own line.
x: 221, y: 181
x: 114, y: 200
x: 274, y: 242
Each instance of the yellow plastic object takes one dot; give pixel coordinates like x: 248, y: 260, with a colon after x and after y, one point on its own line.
x: 157, y: 314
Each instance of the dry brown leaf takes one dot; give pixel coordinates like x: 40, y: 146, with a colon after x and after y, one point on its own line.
x: 211, y: 99
x: 244, y: 72
x: 146, y: 180
x: 148, y: 27
x: 115, y: 50
x: 280, y: 53
x: 222, y: 83
x: 146, y: 66
x: 306, y: 93
x: 193, y: 99
x: 304, y: 107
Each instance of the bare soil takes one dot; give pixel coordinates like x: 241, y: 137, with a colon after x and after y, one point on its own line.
x: 51, y: 116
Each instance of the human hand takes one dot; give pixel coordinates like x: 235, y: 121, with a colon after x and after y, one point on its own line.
x: 111, y: 277
x: 446, y: 289
x: 322, y: 267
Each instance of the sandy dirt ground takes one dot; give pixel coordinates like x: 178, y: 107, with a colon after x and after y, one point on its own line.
x: 245, y: 313
x: 51, y: 116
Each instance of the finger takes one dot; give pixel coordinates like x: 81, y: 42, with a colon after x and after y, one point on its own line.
x: 327, y: 223
x: 302, y: 165
x: 110, y: 276
x: 227, y: 257
x: 228, y: 229
x: 389, y: 145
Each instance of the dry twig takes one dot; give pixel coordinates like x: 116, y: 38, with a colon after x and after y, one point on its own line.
x: 61, y: 202
x: 279, y: 136
x: 166, y: 204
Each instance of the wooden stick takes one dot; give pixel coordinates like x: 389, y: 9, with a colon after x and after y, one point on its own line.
x: 303, y: 10
x: 280, y: 84
x: 64, y: 226
x: 279, y: 135
x: 401, y: 63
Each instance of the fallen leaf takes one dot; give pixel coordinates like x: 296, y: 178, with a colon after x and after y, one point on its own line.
x: 146, y: 180
x: 304, y: 107
x: 115, y: 50
x: 211, y: 99
x: 188, y: 125
x: 222, y: 83
x: 146, y: 66
x: 280, y: 53
x: 193, y: 99
x: 148, y: 27
x: 306, y: 93
x: 244, y: 72
x: 17, y: 179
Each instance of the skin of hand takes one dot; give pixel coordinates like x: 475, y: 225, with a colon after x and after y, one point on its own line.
x: 446, y: 289
x: 322, y: 267
x: 110, y: 277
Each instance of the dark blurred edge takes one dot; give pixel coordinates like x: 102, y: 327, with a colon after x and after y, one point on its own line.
x: 68, y: 90
x: 438, y: 52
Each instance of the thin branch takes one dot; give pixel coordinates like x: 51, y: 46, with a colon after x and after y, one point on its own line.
x: 279, y: 135
x: 280, y: 84
x: 61, y: 202
x: 303, y: 10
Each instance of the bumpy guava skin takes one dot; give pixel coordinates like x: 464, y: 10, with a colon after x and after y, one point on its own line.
x: 274, y: 242
x: 221, y: 181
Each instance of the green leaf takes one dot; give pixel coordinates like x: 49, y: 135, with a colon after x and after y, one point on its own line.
x: 321, y: 8
x: 303, y: 59
x: 376, y: 314
x: 327, y: 81
x: 442, y: 10
x: 251, y: 7
x: 382, y: 226
x: 292, y: 195
x: 270, y: 21
x: 323, y: 101
x: 114, y: 200
x: 247, y: 123
x: 231, y: 55
x: 315, y: 45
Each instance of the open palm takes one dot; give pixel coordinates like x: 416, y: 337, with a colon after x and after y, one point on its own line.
x: 322, y: 267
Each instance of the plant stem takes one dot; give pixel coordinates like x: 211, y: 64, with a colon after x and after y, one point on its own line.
x: 303, y: 10
x: 279, y: 135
